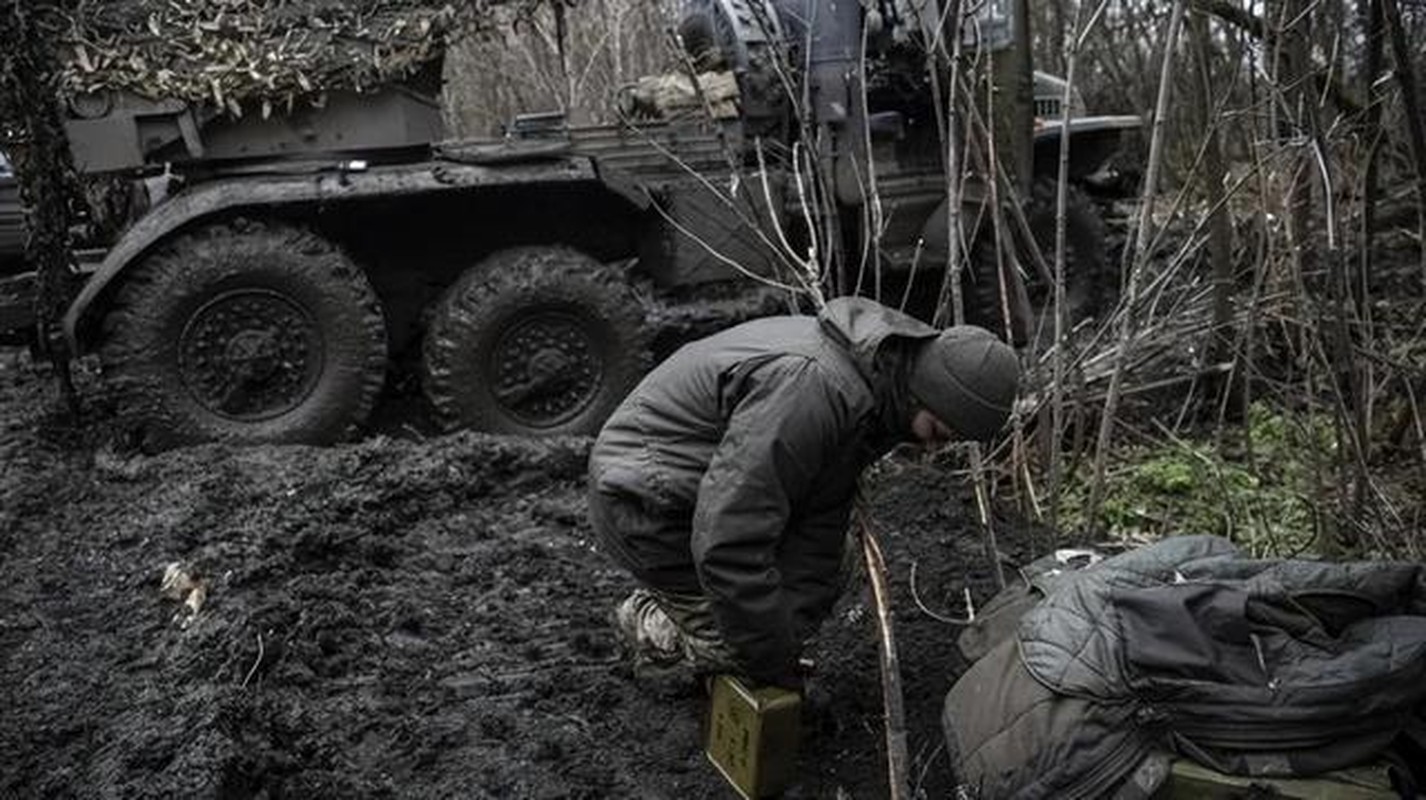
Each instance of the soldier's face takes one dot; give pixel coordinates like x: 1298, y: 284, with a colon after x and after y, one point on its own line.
x: 927, y: 428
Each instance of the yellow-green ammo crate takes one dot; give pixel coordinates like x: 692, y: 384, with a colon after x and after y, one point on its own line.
x: 753, y: 736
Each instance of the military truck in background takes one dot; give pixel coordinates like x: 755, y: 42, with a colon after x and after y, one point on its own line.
x: 270, y: 271
x: 12, y: 225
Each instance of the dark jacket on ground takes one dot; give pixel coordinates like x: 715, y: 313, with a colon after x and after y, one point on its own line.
x: 756, y: 436
x: 1273, y: 668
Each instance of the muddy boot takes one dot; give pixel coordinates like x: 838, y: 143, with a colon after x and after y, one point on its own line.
x: 646, y: 632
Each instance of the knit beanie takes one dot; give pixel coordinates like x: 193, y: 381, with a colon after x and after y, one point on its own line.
x: 967, y: 378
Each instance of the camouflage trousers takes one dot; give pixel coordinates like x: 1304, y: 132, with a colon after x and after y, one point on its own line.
x: 662, y: 626
x: 666, y: 628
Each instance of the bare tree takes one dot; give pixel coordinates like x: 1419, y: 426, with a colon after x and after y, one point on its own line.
x: 30, y: 100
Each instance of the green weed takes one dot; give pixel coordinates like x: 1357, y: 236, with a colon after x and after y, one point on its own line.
x: 1260, y: 486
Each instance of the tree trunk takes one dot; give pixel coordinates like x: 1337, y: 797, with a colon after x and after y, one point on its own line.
x: 1359, y: 280
x: 1292, y: 72
x: 30, y: 100
x: 1014, y: 102
x: 1415, y: 121
x: 1370, y: 13
x: 1056, y: 37
x: 1128, y: 324
x: 1220, y: 230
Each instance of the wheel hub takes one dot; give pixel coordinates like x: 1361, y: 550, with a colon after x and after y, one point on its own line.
x: 256, y: 353
x: 250, y: 354
x: 544, y: 369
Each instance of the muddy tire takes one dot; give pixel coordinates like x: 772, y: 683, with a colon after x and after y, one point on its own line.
x: 1087, y: 270
x: 1090, y: 281
x: 245, y: 332
x: 534, y: 341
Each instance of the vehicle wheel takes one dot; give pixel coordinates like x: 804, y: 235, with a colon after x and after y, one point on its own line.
x: 1089, y: 279
x: 245, y: 332
x: 534, y: 341
x: 1087, y: 272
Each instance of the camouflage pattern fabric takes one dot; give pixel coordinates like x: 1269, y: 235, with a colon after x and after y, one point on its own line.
x: 670, y: 628
x: 665, y: 629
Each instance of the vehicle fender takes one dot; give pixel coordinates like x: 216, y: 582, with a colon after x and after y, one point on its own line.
x: 1093, y: 141
x: 285, y: 188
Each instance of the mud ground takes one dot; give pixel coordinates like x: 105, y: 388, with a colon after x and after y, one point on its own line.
x: 400, y: 617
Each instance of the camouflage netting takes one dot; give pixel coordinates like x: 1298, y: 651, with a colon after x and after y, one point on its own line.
x: 247, y: 54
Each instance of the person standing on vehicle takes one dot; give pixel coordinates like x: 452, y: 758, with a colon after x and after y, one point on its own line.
x: 724, y: 482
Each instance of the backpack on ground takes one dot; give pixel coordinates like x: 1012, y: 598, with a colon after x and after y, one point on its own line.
x: 1090, y: 676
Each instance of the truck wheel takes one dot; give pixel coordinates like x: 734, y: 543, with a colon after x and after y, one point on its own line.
x: 534, y: 341
x: 1087, y: 276
x: 245, y: 332
x: 1089, y: 282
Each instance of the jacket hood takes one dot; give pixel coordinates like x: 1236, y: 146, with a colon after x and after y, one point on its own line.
x: 863, y: 325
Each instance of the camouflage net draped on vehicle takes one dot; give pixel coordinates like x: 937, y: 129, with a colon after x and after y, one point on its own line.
x: 246, y: 55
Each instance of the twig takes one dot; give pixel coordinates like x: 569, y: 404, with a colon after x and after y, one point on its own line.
x: 253, y: 669
x: 892, y: 700
x: 916, y: 596
x: 713, y: 251
x: 926, y: 768
x: 1126, y: 323
x: 982, y: 505
x: 1057, y: 403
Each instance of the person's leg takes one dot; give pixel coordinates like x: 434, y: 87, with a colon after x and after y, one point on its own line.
x: 660, y: 624
x: 666, y: 628
x: 612, y: 517
x: 647, y: 631
x: 670, y: 627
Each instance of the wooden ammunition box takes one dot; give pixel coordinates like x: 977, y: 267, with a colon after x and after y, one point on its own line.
x: 752, y: 736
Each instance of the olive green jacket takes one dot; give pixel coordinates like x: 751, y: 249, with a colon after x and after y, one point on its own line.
x: 756, y: 436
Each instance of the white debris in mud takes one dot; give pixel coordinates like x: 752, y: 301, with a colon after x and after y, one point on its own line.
x: 180, y: 583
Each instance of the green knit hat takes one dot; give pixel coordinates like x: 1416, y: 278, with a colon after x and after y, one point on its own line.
x: 967, y: 378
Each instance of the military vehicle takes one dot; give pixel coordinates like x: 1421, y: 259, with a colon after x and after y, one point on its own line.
x: 16, y: 293
x: 272, y: 269
x: 12, y: 225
